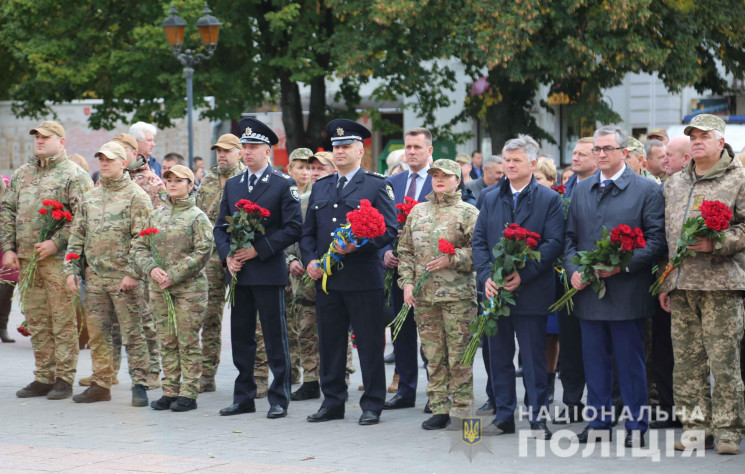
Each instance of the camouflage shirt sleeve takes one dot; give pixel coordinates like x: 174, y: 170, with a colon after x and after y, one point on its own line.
x: 139, y: 215
x: 8, y: 215
x: 406, y: 258
x: 193, y: 263
x: 142, y: 255
x: 78, y: 185
x: 734, y: 235
x: 76, y: 241
x: 463, y: 258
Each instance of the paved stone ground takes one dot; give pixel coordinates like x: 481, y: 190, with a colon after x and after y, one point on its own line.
x: 38, y: 435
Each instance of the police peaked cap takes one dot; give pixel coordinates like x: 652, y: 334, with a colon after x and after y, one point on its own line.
x: 345, y: 131
x: 255, y: 131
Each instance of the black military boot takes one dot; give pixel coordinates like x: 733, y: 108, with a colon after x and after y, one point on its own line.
x: 34, y: 389
x: 163, y: 403
x: 184, y: 404
x: 139, y: 395
x: 60, y: 390
x: 94, y: 393
x: 436, y: 422
x: 307, y: 391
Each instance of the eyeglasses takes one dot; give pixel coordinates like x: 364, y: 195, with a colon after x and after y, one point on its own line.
x: 607, y: 149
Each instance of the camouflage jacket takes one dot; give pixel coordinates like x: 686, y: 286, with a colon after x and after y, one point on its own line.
x: 210, y: 189
x: 109, y: 220
x: 724, y: 268
x: 304, y: 293
x: 20, y: 223
x: 145, y: 178
x: 449, y: 218
x: 184, y: 242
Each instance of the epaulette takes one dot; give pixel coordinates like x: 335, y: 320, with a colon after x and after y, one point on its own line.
x: 373, y: 173
x: 279, y: 173
x: 324, y: 177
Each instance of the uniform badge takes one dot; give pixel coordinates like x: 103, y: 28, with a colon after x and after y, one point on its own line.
x: 265, y: 179
x: 389, y: 190
x: 249, y: 131
x: 340, y: 132
x: 295, y: 193
x: 697, y: 201
x: 163, y: 195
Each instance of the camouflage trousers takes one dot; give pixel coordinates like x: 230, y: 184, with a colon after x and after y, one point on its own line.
x: 707, y: 327
x: 105, y: 306
x: 148, y: 330
x: 302, y: 328
x: 180, y: 354
x: 443, y: 330
x: 52, y: 322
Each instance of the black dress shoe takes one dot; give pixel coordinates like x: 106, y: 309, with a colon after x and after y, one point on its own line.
x: 307, y: 391
x: 327, y: 414
x: 569, y: 414
x: 239, y: 408
x: 276, y: 411
x: 663, y: 425
x: 487, y: 409
x: 436, y: 422
x: 369, y: 417
x: 541, y: 426
x: 427, y: 409
x: 629, y: 440
x: 594, y: 434
x: 500, y: 427
x: 5, y: 337
x: 390, y: 358
x: 398, y: 402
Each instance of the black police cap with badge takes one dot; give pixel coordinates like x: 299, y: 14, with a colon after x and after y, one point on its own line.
x: 345, y: 131
x: 255, y: 131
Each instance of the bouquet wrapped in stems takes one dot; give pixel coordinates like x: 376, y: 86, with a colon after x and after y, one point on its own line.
x: 362, y: 225
x: 444, y: 248
x: 711, y: 224
x: 76, y: 302
x: 404, y: 209
x: 242, y: 227
x: 53, y: 217
x: 511, y: 254
x: 167, y: 298
x: 613, y: 249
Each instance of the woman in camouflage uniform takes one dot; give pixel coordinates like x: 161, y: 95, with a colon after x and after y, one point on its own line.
x: 184, y: 243
x: 447, y: 302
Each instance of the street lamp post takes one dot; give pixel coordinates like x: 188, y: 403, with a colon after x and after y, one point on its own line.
x: 209, y: 29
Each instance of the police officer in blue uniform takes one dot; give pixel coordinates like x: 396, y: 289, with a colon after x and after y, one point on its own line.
x: 355, y: 292
x: 261, y: 270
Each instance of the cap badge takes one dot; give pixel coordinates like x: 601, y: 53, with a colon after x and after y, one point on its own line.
x: 340, y: 132
x: 249, y: 131
x: 697, y: 118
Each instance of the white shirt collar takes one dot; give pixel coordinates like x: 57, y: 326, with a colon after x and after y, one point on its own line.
x: 349, y: 175
x: 422, y: 173
x: 614, y: 177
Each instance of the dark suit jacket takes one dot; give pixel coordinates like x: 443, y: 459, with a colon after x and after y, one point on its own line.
x: 632, y: 200
x: 539, y: 209
x: 327, y: 211
x: 283, y: 226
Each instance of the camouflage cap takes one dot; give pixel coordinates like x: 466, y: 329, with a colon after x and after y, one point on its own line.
x: 705, y: 122
x: 446, y: 166
x: 300, y: 154
x: 227, y: 142
x: 635, y: 145
x: 48, y: 128
x: 324, y: 157
x: 180, y: 171
x: 126, y: 139
x: 463, y: 158
x: 112, y: 151
x: 658, y: 133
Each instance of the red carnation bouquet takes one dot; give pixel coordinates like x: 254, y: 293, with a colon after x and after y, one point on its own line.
x: 711, y: 224
x: 242, y: 227
x: 511, y: 254
x: 149, y: 233
x: 404, y: 209
x: 613, y: 249
x: 53, y: 217
x: 443, y: 248
x: 363, y: 224
x: 562, y: 190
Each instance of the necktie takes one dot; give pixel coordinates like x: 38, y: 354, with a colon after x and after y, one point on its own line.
x: 340, y: 184
x: 514, y: 200
x: 606, y: 183
x: 251, y: 182
x: 411, y: 193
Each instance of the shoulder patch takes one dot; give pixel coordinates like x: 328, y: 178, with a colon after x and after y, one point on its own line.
x: 295, y: 193
x: 373, y: 173
x: 279, y: 173
x: 389, y: 190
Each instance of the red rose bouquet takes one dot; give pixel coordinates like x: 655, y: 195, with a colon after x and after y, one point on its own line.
x: 53, y: 217
x: 711, y: 224
x: 511, y: 254
x: 242, y: 227
x: 404, y: 209
x: 443, y: 248
x: 167, y: 298
x: 613, y: 249
x: 363, y: 224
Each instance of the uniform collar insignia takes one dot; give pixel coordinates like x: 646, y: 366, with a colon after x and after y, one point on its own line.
x: 265, y: 178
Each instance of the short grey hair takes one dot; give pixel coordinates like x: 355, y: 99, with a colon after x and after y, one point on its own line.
x: 622, y: 138
x: 139, y: 129
x: 651, y: 144
x: 525, y: 143
x: 491, y: 159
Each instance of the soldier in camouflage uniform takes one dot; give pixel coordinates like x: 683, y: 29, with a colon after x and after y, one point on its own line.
x: 48, y: 306
x: 209, y: 194
x: 109, y: 219
x: 447, y: 302
x: 704, y: 293
x: 184, y: 244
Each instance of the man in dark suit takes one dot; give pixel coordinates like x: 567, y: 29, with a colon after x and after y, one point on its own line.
x: 521, y: 200
x: 416, y: 184
x: 614, y: 325
x: 355, y: 292
x: 261, y: 269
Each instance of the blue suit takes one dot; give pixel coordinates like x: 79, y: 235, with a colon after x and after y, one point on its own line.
x: 261, y: 281
x: 405, y: 345
x: 540, y: 210
x: 355, y: 291
x: 614, y: 325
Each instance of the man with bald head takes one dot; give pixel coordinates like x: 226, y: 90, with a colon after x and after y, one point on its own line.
x: 677, y: 155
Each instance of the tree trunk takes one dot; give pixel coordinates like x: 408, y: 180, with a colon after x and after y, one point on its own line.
x: 317, y: 113
x: 292, y: 112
